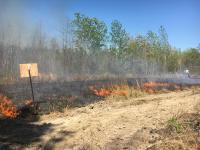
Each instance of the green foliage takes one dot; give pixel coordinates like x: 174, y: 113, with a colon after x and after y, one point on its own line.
x: 191, y: 57
x: 138, y: 47
x: 173, y: 62
x: 90, y: 32
x: 154, y: 45
x: 174, y: 125
x: 163, y: 37
x: 119, y: 38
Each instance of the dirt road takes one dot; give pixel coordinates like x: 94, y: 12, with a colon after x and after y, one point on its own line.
x: 123, y: 124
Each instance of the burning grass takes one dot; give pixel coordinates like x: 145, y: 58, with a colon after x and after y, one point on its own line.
x: 127, y: 91
x: 7, y: 108
x: 54, y: 100
x: 117, y: 91
x: 154, y: 87
x: 120, y: 90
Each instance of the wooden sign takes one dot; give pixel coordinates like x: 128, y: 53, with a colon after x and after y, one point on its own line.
x: 24, y: 70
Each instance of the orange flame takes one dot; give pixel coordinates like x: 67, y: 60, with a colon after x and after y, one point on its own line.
x: 7, y: 108
x: 120, y: 90
x: 150, y: 87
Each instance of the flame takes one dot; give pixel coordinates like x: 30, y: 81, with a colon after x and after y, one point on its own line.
x: 155, y: 84
x: 150, y: 87
x: 123, y: 90
x: 28, y: 102
x: 7, y: 108
x: 120, y: 90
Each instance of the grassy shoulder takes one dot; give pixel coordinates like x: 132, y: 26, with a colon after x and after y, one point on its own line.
x: 181, y: 132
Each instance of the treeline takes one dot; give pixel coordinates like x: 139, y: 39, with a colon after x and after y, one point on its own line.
x: 86, y: 47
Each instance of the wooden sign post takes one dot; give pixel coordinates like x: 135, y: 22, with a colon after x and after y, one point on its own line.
x: 29, y: 70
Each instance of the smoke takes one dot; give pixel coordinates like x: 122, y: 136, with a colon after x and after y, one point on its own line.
x: 11, y: 21
x: 20, y: 18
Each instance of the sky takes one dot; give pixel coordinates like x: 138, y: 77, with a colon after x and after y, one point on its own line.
x: 181, y: 18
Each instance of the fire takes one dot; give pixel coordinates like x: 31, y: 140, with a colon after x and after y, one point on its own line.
x: 120, y: 90
x: 155, y: 84
x: 124, y: 90
x: 7, y: 108
x: 29, y: 102
x: 150, y: 87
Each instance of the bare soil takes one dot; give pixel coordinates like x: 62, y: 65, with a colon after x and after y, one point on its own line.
x: 112, y: 124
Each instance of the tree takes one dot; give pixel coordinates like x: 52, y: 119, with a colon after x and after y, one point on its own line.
x: 67, y: 38
x: 198, y: 47
x: 191, y: 57
x: 67, y: 34
x: 154, y: 45
x: 119, y: 38
x: 173, y: 63
x: 90, y: 32
x: 165, y: 47
x: 1, y: 51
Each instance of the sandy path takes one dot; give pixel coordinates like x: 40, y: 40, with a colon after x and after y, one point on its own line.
x: 115, y: 125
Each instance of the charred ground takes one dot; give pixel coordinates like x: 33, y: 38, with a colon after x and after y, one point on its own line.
x: 57, y: 95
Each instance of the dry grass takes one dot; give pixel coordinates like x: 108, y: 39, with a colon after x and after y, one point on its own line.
x: 181, y: 132
x: 131, y: 93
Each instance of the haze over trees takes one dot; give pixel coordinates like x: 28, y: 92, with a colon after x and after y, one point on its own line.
x: 87, y: 47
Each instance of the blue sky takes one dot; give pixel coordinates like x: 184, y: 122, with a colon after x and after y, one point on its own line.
x: 181, y: 18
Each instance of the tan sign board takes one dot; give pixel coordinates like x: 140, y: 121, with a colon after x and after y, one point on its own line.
x: 24, y: 70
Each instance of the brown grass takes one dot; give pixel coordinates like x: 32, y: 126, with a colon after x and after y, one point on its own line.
x: 181, y: 132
